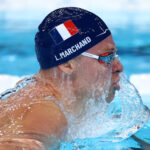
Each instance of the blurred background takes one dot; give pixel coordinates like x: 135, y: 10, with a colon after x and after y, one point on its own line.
x: 128, y: 20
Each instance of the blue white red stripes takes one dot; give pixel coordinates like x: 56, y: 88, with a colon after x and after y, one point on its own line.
x: 63, y: 31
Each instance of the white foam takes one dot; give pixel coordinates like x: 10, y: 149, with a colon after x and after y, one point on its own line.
x: 8, y: 81
x: 141, y: 82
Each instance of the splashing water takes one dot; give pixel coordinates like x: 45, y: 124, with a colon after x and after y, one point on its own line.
x: 122, y: 118
x: 126, y: 113
x: 100, y: 121
x: 26, y: 81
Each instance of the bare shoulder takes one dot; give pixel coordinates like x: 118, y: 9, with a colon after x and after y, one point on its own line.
x: 44, y: 118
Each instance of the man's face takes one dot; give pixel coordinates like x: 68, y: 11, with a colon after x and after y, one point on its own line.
x: 90, y: 74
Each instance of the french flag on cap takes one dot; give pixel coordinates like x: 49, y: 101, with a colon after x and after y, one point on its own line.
x: 63, y: 31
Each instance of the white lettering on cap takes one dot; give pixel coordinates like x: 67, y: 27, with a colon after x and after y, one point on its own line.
x: 73, y: 49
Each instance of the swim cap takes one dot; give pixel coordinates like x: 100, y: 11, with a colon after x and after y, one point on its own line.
x: 66, y: 33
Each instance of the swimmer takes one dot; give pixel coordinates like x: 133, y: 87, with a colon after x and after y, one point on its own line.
x: 76, y: 53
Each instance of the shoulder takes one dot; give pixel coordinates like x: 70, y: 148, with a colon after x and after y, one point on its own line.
x: 45, y: 118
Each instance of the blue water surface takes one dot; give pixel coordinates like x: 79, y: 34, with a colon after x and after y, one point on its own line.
x: 17, y: 54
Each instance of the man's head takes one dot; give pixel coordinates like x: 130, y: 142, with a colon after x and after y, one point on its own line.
x: 90, y: 73
x: 66, y: 33
x: 62, y: 40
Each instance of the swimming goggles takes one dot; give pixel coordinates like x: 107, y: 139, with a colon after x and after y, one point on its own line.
x: 106, y: 57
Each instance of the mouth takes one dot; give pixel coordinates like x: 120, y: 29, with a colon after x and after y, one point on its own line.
x: 116, y: 85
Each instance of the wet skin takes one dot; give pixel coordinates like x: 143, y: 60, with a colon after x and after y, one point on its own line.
x: 95, y: 68
x: 35, y: 117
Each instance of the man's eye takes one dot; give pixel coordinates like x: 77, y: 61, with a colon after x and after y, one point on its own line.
x: 106, y: 54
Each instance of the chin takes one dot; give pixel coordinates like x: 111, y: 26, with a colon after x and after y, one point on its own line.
x: 111, y: 94
x: 110, y: 98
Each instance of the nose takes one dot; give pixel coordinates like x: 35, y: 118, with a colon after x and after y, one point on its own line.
x: 117, y: 67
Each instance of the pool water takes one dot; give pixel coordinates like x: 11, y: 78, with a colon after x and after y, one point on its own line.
x: 97, y: 144
x: 17, y: 57
x: 17, y: 43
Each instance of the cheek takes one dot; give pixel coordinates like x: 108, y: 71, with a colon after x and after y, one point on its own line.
x: 92, y: 74
x: 103, y: 74
x: 86, y: 74
x: 99, y: 77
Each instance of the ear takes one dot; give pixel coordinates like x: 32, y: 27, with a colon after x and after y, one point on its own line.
x: 67, y: 67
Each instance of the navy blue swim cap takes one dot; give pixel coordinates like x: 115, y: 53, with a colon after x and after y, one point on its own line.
x: 66, y: 33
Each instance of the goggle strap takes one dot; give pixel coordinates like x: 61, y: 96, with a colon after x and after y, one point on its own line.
x: 90, y: 55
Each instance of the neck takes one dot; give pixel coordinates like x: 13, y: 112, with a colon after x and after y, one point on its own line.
x: 57, y: 80
x: 61, y: 86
